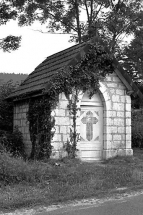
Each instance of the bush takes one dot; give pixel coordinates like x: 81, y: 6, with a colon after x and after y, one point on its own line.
x: 13, y: 142
x: 6, y: 107
x: 137, y: 128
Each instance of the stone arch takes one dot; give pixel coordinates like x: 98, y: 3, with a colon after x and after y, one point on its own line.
x: 105, y: 96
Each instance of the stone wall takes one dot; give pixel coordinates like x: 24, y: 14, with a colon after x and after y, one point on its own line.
x: 116, y: 119
x: 62, y: 126
x: 20, y: 120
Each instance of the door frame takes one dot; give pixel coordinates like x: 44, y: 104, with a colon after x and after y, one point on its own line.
x: 88, y: 104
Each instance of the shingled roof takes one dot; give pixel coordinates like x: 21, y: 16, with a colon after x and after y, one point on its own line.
x: 43, y: 72
x: 36, y: 81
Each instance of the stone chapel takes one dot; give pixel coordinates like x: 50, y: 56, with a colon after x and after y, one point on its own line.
x: 104, y: 121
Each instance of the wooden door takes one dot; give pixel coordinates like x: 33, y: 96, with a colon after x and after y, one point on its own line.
x: 91, y: 132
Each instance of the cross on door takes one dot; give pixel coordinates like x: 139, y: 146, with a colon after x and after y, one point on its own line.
x: 89, y: 120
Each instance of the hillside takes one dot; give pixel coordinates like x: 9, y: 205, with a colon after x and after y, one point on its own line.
x: 5, y: 77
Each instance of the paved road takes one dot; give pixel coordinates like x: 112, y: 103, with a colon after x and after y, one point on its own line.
x: 132, y: 205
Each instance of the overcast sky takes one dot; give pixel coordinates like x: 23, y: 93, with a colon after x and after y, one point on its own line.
x: 35, y: 47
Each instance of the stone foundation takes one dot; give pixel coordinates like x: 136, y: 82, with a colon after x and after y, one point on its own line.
x: 116, y: 152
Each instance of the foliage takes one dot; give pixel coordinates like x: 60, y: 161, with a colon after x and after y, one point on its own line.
x: 11, y: 139
x: 133, y: 57
x: 68, y: 148
x: 85, y: 75
x: 122, y: 19
x: 40, y: 125
x: 6, y: 107
x: 132, y: 61
x: 17, y: 78
x: 13, y: 142
x: 112, y: 20
x: 70, y: 145
x: 74, y: 136
x: 8, y: 12
x: 137, y: 128
x: 137, y: 102
x: 10, y: 43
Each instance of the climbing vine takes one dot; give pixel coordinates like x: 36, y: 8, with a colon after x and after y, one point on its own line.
x: 41, y: 123
x: 83, y: 76
x: 70, y: 145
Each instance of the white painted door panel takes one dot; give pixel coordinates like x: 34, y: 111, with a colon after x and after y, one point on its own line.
x: 91, y: 133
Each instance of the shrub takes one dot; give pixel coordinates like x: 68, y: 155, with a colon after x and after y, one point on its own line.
x: 137, y: 128
x: 13, y: 142
x: 6, y: 107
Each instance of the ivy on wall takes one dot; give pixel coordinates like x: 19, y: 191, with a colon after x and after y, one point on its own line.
x: 40, y: 124
x: 84, y: 76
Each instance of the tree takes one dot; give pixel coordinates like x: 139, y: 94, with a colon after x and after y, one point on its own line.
x: 132, y: 61
x: 7, y: 12
x: 6, y: 108
x: 111, y: 19
x: 11, y: 138
x: 61, y: 15
x: 133, y: 57
x: 120, y: 19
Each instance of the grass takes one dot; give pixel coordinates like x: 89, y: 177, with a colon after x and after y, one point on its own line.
x: 25, y: 184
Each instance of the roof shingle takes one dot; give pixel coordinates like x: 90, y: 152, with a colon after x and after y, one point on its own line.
x: 43, y: 72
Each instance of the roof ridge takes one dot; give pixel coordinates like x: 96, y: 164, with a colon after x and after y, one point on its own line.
x: 79, y: 44
x: 52, y: 56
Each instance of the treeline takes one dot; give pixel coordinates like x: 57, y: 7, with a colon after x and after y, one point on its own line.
x: 16, y: 78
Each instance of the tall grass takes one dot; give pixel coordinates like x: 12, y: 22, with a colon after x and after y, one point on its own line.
x: 15, y: 170
x: 32, y: 183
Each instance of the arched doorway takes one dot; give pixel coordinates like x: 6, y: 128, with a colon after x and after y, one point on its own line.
x: 91, y: 127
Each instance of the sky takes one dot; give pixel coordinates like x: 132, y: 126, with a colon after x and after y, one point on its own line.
x: 35, y: 47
